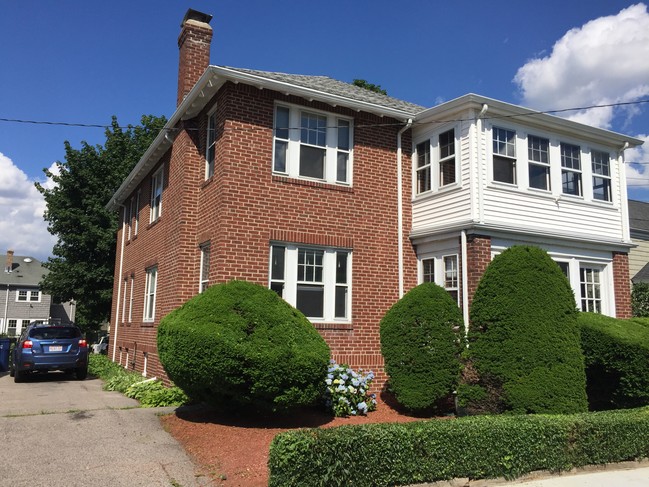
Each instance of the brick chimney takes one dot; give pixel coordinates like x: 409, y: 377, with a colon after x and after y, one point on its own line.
x: 194, y: 45
x: 9, y: 265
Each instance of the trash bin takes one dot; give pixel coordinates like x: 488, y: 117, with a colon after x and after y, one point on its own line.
x: 5, y: 345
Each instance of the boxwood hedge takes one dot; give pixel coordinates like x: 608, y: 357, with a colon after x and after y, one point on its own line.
x: 617, y: 361
x: 239, y: 345
x: 421, y: 340
x: 472, y: 447
x: 524, y: 339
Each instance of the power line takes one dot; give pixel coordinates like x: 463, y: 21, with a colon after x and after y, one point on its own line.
x: 104, y: 126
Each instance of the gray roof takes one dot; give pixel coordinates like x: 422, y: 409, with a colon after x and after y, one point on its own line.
x: 639, y: 215
x: 642, y: 275
x: 26, y: 271
x: 335, y: 87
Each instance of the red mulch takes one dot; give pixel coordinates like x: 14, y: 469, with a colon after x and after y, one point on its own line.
x: 233, y: 451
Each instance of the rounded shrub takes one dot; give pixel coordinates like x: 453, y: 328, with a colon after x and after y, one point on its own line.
x: 239, y: 345
x: 421, y: 339
x: 524, y: 338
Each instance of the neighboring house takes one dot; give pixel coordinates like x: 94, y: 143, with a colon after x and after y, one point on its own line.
x: 21, y: 300
x: 639, y: 255
x: 341, y: 200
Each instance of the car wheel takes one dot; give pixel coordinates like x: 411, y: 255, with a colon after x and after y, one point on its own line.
x: 82, y: 373
x: 12, y: 371
x: 18, y: 376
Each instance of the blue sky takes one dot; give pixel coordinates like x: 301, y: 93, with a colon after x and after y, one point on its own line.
x: 82, y: 62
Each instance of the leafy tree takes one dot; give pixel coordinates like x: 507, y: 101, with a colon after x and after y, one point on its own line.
x: 84, y: 256
x: 361, y: 83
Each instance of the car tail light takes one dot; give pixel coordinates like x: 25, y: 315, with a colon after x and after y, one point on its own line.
x: 83, y: 343
x: 28, y: 344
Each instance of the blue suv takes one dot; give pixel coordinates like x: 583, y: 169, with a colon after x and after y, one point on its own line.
x: 48, y: 346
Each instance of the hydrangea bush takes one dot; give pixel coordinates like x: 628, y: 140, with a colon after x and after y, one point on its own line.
x: 347, y: 391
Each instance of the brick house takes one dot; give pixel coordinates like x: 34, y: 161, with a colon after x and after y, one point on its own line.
x: 21, y: 299
x: 341, y: 199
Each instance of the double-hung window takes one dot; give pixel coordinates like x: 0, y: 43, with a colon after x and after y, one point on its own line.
x: 538, y: 150
x: 130, y: 300
x: 204, y: 279
x: 446, y: 158
x: 210, y: 152
x: 28, y: 295
x: 128, y: 209
x: 314, y: 280
x: 156, y: 195
x: 451, y: 275
x: 150, y: 293
x: 571, y: 169
x: 124, y: 294
x: 504, y: 155
x: 428, y: 270
x: 423, y: 167
x: 136, y: 213
x: 312, y: 145
x: 601, y: 175
x: 591, y: 289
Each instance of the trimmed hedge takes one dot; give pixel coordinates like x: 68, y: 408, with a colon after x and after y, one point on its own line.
x: 421, y: 341
x: 239, y: 345
x: 524, y: 338
x: 617, y: 361
x: 640, y: 299
x: 474, y: 447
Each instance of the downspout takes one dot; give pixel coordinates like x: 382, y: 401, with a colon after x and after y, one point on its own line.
x: 400, y: 204
x: 480, y: 161
x: 119, y: 287
x: 465, y: 283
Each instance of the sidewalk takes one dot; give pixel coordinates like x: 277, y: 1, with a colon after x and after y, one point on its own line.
x: 627, y: 474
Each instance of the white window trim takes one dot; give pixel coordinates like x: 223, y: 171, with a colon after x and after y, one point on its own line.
x: 328, y: 278
x: 28, y: 296
x: 150, y: 289
x: 435, y: 162
x: 580, y: 171
x: 439, y: 269
x: 124, y: 300
x: 531, y: 162
x: 157, y: 185
x: 587, y: 163
x: 130, y: 301
x: 136, y: 213
x: 205, y: 251
x: 331, y: 146
x: 518, y: 149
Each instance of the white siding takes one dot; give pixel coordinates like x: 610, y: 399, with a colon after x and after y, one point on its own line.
x: 638, y: 256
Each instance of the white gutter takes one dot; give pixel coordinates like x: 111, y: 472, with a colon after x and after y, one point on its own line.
x: 119, y: 286
x: 465, y: 283
x: 400, y: 204
x: 482, y: 159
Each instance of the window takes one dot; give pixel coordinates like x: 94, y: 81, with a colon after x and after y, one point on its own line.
x: 137, y: 213
x: 204, y: 279
x: 127, y: 219
x: 210, y: 152
x: 28, y: 295
x: 451, y: 275
x: 447, y: 158
x: 504, y: 155
x: 539, y: 162
x: 571, y: 169
x: 11, y: 327
x: 315, y: 280
x: 601, y: 175
x: 156, y: 195
x: 312, y: 145
x: 423, y: 167
x: 428, y: 270
x: 149, y: 293
x: 124, y: 294
x: 565, y: 268
x: 591, y: 292
x: 130, y: 301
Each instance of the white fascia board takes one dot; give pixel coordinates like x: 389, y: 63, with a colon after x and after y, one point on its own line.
x: 594, y: 241
x: 506, y: 111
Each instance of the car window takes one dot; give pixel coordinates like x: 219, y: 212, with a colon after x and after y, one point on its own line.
x: 55, y: 332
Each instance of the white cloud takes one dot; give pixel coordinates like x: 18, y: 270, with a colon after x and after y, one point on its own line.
x: 22, y: 227
x: 637, y: 169
x: 604, y: 61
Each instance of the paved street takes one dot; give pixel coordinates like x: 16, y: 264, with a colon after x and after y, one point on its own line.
x: 56, y: 431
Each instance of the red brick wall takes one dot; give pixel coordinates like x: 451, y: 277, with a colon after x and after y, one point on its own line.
x: 622, y: 285
x: 478, y: 258
x: 243, y: 207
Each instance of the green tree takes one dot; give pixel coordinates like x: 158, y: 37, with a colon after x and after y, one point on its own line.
x: 83, y: 259
x: 361, y: 83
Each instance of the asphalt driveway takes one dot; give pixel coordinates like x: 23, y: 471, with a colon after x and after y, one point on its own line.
x: 57, y: 431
